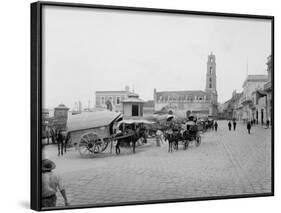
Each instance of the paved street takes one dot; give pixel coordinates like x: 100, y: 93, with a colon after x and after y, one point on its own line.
x: 226, y: 163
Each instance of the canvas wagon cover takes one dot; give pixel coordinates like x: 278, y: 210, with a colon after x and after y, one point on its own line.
x: 132, y: 121
x: 91, y: 120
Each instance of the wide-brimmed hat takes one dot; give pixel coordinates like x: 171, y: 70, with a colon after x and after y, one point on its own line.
x: 48, y: 165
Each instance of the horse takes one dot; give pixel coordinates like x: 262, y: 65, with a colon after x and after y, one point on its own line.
x: 172, y: 139
x: 133, y: 138
x: 60, y: 139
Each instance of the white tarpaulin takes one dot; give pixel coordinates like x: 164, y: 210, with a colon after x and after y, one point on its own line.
x: 131, y: 121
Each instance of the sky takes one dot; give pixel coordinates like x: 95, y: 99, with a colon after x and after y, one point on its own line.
x: 87, y: 50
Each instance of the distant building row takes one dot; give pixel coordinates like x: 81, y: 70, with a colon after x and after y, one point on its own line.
x: 255, y: 101
x: 196, y: 102
x: 125, y: 101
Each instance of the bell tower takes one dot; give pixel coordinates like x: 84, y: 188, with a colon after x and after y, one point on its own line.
x: 211, y: 81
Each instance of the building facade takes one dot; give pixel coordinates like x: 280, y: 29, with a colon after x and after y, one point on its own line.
x: 268, y: 90
x: 253, y: 107
x: 148, y: 108
x: 232, y: 107
x: 112, y: 100
x: 184, y: 103
x: 132, y: 106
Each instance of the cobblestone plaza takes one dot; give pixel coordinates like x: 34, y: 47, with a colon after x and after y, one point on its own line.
x: 226, y: 163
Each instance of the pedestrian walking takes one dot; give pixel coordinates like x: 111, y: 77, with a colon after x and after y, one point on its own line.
x: 117, y: 145
x: 234, y: 125
x: 229, y: 126
x: 60, y: 141
x: 216, y: 125
x: 249, y: 127
x: 48, y: 136
x: 53, y: 135
x: 51, y: 183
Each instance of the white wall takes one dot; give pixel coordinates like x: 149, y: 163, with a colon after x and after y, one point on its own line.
x: 250, y: 87
x: 15, y: 90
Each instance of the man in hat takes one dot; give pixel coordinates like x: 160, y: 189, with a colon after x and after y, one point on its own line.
x: 234, y: 124
x: 51, y: 182
x: 117, y: 146
x: 249, y: 127
x: 229, y: 126
x: 216, y: 126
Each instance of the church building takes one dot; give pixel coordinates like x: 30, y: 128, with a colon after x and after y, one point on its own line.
x: 191, y: 102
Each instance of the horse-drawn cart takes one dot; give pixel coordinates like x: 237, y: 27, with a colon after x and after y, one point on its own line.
x: 92, y: 132
x: 192, y: 132
x: 140, y: 126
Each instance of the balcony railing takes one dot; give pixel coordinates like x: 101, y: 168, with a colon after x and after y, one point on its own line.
x: 246, y: 100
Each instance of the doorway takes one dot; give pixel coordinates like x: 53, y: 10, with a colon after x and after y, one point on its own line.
x: 135, y: 110
x: 262, y: 116
x: 257, y: 117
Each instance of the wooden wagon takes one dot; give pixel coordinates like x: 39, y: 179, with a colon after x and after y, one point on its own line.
x: 91, y: 132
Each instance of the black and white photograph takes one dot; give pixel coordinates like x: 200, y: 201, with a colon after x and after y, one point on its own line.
x: 148, y: 106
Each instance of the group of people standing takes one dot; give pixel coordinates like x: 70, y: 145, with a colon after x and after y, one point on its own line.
x: 233, y: 123
x: 230, y: 125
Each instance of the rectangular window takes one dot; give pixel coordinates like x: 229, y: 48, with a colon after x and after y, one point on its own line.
x: 210, y: 85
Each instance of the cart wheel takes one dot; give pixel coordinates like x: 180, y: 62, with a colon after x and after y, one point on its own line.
x: 105, y: 143
x: 198, y: 140
x: 89, y: 144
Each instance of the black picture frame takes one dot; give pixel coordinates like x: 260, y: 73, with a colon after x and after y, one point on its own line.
x: 36, y: 97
